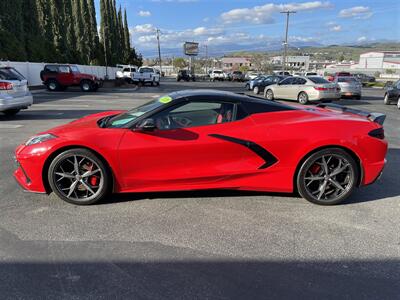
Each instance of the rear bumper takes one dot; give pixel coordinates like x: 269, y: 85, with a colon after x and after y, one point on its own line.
x: 321, y: 96
x: 8, y: 102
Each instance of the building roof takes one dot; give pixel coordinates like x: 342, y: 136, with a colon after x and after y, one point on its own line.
x: 235, y: 60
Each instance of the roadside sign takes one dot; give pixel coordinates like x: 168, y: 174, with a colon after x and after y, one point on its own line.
x: 191, y: 48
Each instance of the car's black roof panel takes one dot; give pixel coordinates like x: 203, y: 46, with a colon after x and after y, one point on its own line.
x: 218, y: 94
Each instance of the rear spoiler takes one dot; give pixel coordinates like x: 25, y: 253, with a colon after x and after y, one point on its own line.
x: 374, y: 117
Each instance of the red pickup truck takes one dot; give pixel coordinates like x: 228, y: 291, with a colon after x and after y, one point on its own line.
x: 58, y: 77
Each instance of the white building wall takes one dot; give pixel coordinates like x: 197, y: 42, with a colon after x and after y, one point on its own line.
x: 31, y: 71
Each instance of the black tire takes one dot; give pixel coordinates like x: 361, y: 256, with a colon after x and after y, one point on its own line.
x: 86, y: 86
x: 302, y: 98
x: 67, y: 158
x: 398, y: 102
x: 157, y: 83
x: 386, y: 99
x: 11, y: 112
x: 256, y: 90
x: 269, y: 95
x: 358, y: 97
x: 52, y: 85
x: 312, y: 170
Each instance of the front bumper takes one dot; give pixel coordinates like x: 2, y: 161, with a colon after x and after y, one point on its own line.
x: 9, y: 102
x: 29, y: 165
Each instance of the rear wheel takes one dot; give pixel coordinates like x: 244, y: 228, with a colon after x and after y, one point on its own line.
x: 11, y: 112
x: 358, y: 97
x: 78, y: 176
x: 302, y: 98
x: 269, y: 95
x: 398, y: 103
x: 52, y: 85
x: 86, y: 86
x: 327, y: 177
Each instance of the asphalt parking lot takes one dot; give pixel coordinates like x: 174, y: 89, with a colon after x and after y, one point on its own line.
x: 194, y: 245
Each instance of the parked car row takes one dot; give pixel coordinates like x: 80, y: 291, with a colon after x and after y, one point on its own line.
x: 140, y: 75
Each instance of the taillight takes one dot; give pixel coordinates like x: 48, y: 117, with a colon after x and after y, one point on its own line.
x: 378, y: 133
x: 6, y: 86
x: 320, y: 88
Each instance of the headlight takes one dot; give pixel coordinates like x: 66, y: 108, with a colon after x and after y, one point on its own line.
x: 40, y: 139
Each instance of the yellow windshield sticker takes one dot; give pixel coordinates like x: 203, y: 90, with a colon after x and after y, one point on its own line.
x: 165, y: 99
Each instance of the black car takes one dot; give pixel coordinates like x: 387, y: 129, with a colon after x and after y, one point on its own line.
x: 392, y: 94
x: 185, y: 75
x: 259, y: 85
x: 363, y: 78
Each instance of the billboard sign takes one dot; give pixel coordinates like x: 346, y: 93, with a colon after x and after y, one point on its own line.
x: 191, y: 48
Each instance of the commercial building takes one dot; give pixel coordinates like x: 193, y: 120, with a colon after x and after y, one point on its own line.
x: 234, y: 63
x: 380, y: 60
x: 301, y: 63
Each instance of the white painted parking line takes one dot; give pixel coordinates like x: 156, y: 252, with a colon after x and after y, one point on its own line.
x: 33, y: 112
x: 62, y: 105
x: 10, y: 126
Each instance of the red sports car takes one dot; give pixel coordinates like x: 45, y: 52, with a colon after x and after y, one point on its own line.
x: 203, y: 139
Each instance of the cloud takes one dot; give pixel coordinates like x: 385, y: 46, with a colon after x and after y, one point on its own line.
x: 362, y: 39
x: 356, y: 12
x: 145, y: 35
x: 336, y: 28
x: 144, y: 13
x: 263, y: 14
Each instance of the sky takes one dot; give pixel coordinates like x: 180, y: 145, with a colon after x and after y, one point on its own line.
x: 254, y: 25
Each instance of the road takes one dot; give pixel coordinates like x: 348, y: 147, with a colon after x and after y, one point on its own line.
x: 194, y: 245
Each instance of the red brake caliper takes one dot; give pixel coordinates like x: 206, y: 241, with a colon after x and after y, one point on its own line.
x: 315, y: 168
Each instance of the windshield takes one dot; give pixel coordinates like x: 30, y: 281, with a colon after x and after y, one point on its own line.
x: 124, y: 118
x: 347, y: 79
x: 217, y: 72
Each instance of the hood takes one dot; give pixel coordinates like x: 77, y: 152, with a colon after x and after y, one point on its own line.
x: 85, y: 123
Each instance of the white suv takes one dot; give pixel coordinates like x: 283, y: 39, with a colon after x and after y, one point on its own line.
x: 217, y: 75
x: 14, y: 91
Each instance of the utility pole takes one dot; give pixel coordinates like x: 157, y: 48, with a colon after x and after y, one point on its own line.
x: 159, y: 50
x: 288, y: 12
x: 206, y: 46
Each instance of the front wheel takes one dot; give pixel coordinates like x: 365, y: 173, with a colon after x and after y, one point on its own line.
x: 398, y: 103
x: 79, y: 177
x: 11, y: 112
x: 256, y: 90
x: 86, y: 86
x: 327, y: 177
x: 386, y: 100
x: 302, y: 98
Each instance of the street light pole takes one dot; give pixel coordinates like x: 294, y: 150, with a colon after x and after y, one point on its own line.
x: 159, y: 49
x: 288, y: 12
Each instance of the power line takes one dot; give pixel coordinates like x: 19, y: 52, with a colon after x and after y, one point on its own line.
x: 288, y: 12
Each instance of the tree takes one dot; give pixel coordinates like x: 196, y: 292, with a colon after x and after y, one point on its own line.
x: 95, y: 53
x: 180, y: 63
x: 12, y: 30
x: 127, y: 38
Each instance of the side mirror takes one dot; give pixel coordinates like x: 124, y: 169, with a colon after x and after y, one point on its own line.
x: 147, y: 125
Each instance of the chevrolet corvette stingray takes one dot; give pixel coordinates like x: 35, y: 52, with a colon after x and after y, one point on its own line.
x: 205, y: 139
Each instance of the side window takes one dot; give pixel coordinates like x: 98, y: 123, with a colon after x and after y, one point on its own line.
x: 299, y: 81
x: 64, y: 69
x: 398, y: 85
x: 52, y: 69
x: 194, y: 114
x: 287, y: 81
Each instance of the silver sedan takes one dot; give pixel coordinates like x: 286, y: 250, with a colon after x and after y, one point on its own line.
x: 303, y: 89
x: 14, y: 92
x: 349, y: 86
